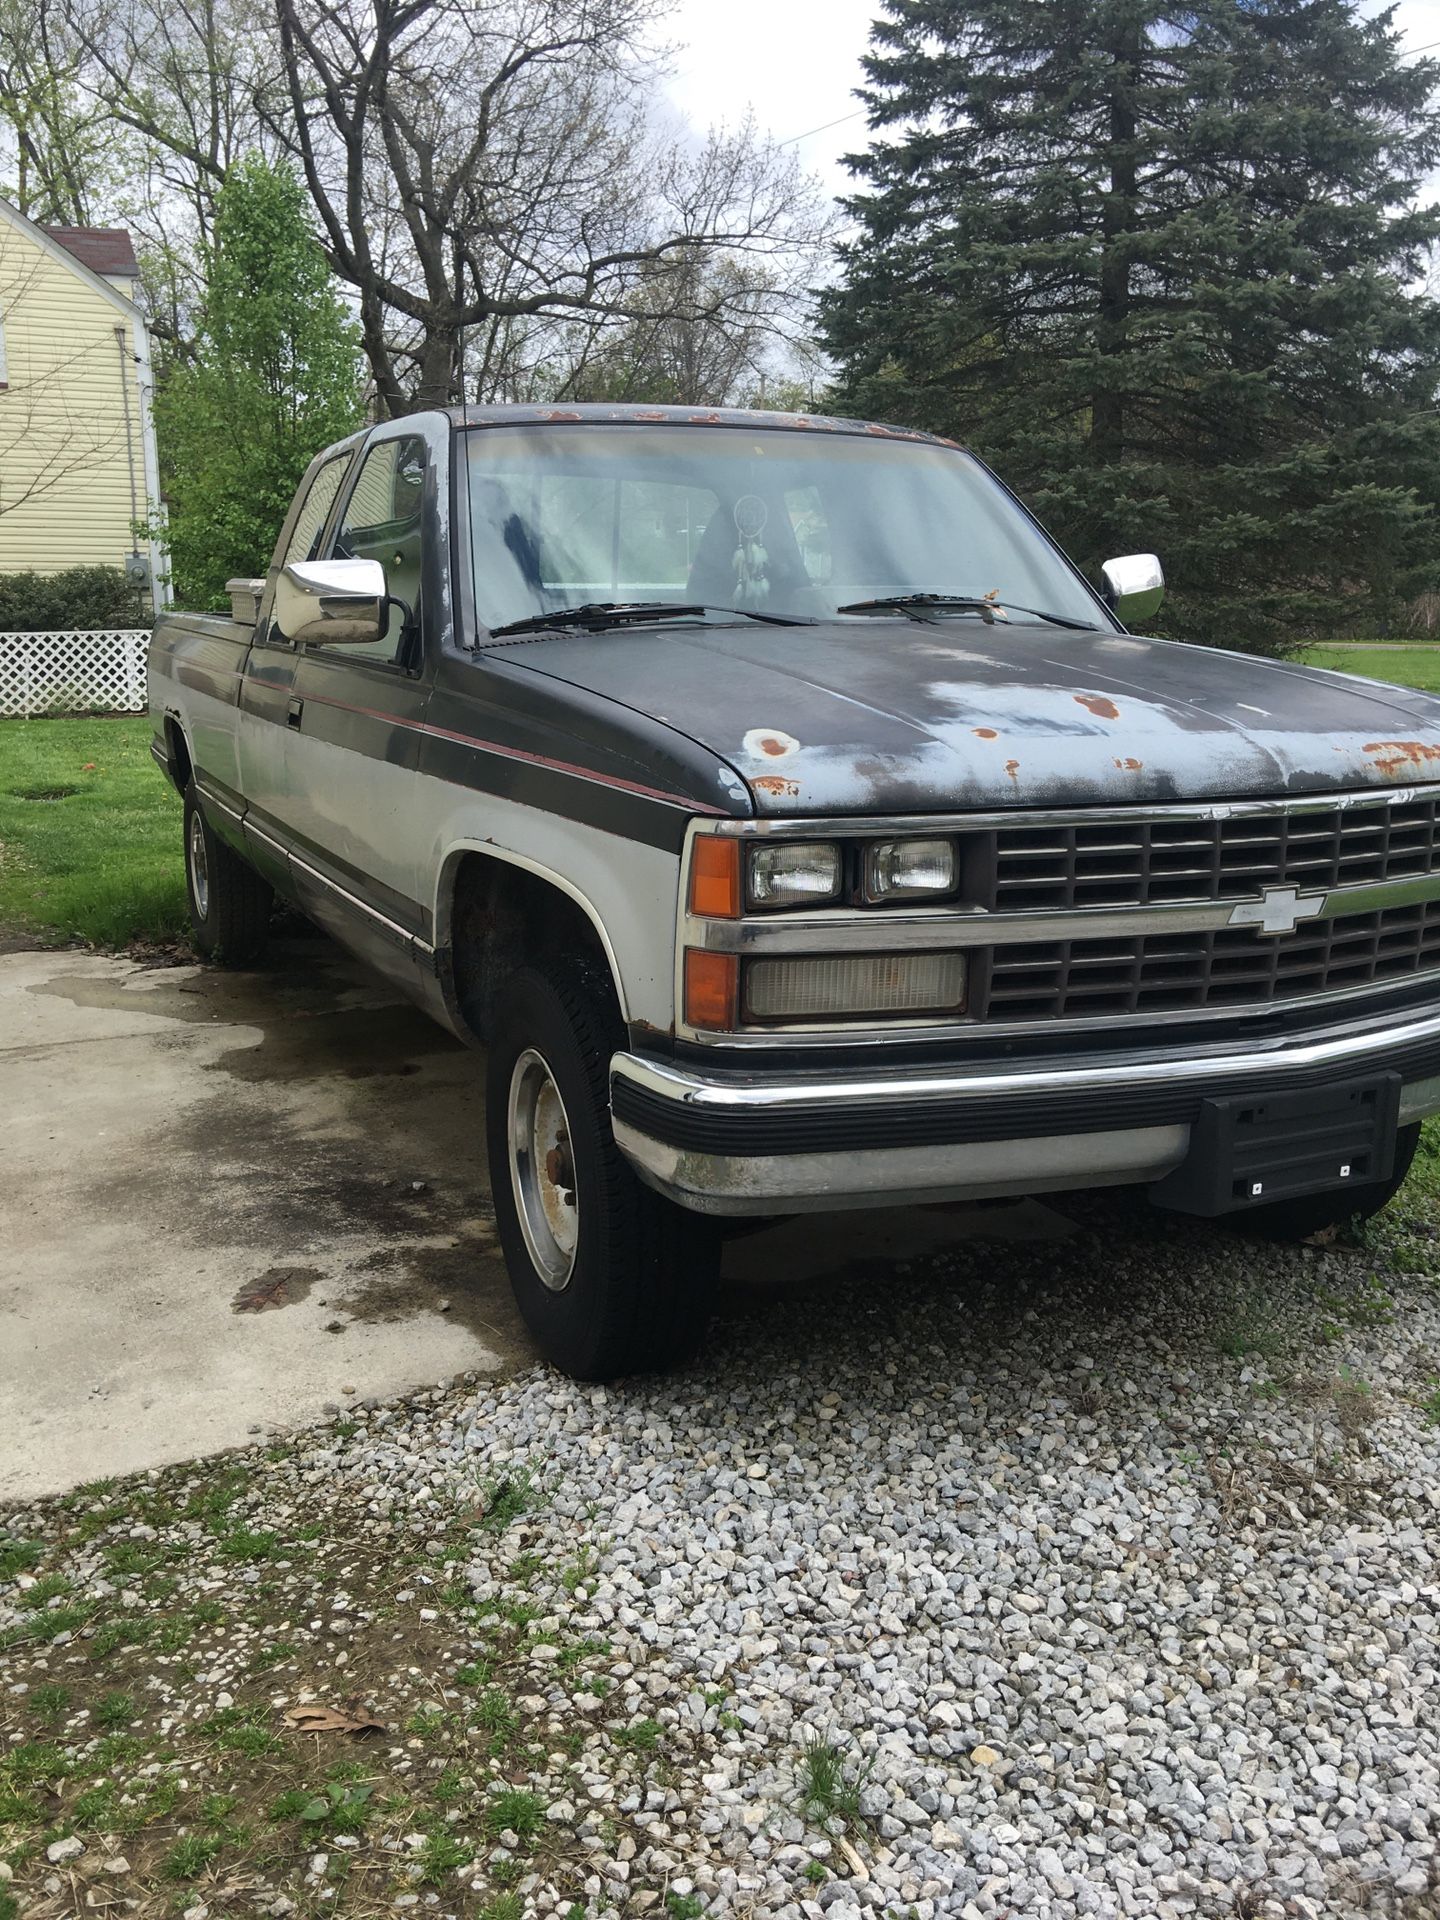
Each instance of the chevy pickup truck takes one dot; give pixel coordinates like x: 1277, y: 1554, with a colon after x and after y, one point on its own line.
x: 796, y: 828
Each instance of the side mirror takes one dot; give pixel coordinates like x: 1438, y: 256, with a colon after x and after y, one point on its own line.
x: 325, y: 602
x: 1134, y: 587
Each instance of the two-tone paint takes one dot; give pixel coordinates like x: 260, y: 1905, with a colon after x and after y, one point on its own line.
x: 592, y: 761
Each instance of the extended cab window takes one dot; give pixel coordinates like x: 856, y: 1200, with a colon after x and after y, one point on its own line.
x: 314, y: 510
x: 382, y: 521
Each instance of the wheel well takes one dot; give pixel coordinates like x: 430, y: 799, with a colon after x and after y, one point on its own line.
x: 178, y: 749
x: 502, y: 917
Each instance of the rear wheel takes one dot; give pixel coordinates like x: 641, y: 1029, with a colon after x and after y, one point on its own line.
x: 609, y: 1277
x: 1314, y: 1212
x: 229, y: 902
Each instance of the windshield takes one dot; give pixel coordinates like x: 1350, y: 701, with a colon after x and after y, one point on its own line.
x: 786, y: 523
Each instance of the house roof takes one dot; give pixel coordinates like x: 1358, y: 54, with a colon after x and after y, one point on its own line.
x: 105, y: 250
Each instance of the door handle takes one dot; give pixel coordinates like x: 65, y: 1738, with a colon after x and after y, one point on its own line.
x: 293, y: 713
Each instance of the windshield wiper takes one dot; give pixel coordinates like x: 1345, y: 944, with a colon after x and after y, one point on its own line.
x: 917, y: 604
x: 595, y: 615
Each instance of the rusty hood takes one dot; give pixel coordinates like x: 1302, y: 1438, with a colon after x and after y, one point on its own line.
x: 896, y: 716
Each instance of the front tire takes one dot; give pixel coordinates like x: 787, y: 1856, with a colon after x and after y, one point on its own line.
x: 1313, y: 1213
x: 609, y: 1277
x: 229, y: 902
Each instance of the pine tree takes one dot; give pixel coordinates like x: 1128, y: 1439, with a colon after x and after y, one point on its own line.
x: 1163, y: 268
x: 275, y: 377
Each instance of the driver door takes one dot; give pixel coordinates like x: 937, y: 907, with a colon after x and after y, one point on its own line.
x: 356, y: 710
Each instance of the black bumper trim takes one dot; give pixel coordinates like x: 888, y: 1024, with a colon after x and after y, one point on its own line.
x: 958, y: 1119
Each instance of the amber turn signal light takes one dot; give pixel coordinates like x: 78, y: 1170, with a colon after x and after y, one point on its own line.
x: 715, y: 877
x: 712, y: 989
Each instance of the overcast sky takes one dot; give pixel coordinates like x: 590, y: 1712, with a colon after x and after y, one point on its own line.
x: 795, y: 62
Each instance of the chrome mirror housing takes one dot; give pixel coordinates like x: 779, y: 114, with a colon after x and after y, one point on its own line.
x: 329, y: 602
x: 1134, y: 587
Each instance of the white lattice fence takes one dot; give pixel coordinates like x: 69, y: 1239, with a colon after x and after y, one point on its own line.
x: 72, y: 672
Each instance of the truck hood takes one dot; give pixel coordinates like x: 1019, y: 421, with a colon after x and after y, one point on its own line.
x: 895, y: 716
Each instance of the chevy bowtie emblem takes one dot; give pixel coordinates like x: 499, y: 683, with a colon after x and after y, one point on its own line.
x: 1278, y: 910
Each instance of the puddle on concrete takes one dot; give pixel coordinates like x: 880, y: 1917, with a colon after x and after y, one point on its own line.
x: 296, y: 973
x: 354, y: 1043
x: 466, y: 1281
x: 276, y: 1287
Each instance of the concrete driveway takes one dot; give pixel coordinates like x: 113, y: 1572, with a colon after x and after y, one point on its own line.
x: 230, y: 1201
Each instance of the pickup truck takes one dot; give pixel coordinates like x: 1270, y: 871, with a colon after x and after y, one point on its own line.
x: 796, y: 828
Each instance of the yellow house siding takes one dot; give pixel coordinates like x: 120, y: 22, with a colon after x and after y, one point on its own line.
x: 65, y: 489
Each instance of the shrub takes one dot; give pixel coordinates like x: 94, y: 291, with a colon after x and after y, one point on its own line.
x: 86, y: 599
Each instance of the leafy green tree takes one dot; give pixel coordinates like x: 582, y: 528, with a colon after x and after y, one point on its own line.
x: 1163, y: 267
x: 274, y: 378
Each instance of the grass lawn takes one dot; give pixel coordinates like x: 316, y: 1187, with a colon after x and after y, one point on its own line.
x: 1405, y: 666
x: 89, y: 833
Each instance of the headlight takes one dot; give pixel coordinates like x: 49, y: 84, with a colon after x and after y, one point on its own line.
x: 910, y: 869
x: 793, y: 873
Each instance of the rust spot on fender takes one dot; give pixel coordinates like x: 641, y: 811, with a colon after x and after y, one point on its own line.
x: 985, y: 733
x: 560, y: 413
x: 1394, y: 756
x: 1097, y: 704
x: 1130, y: 766
x: 776, y: 783
x: 1012, y: 767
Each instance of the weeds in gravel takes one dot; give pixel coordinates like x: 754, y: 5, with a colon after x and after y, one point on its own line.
x: 439, y: 1856
x: 504, y: 1497
x: 339, y: 1808
x: 829, y: 1787
x: 1251, y: 1329
x: 116, y: 1710
x: 48, y: 1702
x: 19, y: 1556
x: 515, y: 1810
x: 495, y: 1714
x: 643, y: 1737
x: 190, y: 1856
x: 581, y: 1571
x: 505, y: 1906
x: 1429, y: 1403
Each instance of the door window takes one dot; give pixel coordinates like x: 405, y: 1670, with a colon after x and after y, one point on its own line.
x: 382, y: 521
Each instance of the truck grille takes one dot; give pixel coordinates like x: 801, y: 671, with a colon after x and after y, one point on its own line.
x: 1141, y: 863
x: 1231, y: 966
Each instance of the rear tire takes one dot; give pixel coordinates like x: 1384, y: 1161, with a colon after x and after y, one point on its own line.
x: 609, y: 1277
x: 1315, y: 1212
x: 229, y: 902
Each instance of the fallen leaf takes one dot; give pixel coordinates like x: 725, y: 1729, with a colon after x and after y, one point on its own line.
x: 985, y: 1756
x: 276, y: 1287
x: 1323, y: 1236
x: 89, y: 767
x: 319, y: 1719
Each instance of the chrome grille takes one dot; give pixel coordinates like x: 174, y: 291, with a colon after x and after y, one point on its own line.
x: 1154, y: 862
x: 1231, y: 966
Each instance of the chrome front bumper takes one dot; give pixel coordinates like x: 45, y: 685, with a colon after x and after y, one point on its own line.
x: 747, y: 1142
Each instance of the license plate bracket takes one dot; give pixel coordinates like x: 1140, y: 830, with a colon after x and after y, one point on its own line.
x: 1249, y: 1151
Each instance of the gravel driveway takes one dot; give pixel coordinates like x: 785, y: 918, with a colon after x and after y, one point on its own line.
x: 1085, y: 1578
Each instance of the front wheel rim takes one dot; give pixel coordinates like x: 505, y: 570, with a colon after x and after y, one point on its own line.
x: 542, y: 1170
x: 199, y: 867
